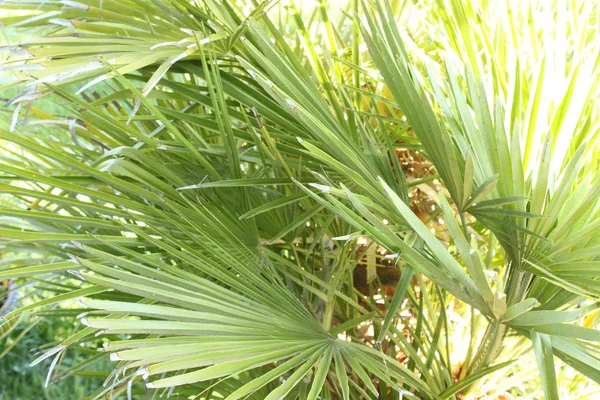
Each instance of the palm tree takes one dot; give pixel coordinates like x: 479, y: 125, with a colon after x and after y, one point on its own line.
x: 208, y: 179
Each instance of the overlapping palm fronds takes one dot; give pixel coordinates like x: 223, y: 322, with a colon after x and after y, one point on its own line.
x: 211, y: 174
